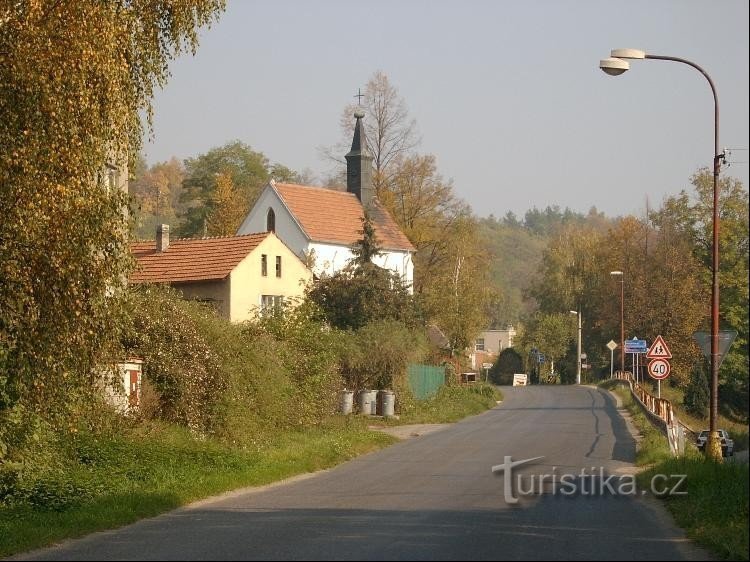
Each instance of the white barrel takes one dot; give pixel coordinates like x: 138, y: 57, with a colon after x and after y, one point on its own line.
x: 388, y: 402
x: 346, y: 402
x: 367, y: 402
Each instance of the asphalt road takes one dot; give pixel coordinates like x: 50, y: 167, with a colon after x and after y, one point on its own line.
x: 434, y: 497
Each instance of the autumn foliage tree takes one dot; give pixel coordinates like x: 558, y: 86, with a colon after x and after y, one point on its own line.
x: 247, y: 169
x: 156, y: 192
x: 75, y: 78
x: 228, y: 208
x: 450, y: 266
x: 689, y: 215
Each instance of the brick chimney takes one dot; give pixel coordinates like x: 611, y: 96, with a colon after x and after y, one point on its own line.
x: 162, y: 237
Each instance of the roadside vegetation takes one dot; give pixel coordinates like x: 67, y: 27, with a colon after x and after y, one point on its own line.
x: 104, y: 480
x: 698, y: 421
x: 714, y: 512
x: 450, y: 404
x: 223, y: 406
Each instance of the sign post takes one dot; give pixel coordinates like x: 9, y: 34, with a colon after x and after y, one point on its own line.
x: 611, y: 346
x: 486, y: 367
x: 659, y: 367
x: 635, y: 347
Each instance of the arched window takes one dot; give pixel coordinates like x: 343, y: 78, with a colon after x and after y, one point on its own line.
x: 271, y: 221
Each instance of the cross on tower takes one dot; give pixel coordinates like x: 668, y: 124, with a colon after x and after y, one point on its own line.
x: 359, y: 95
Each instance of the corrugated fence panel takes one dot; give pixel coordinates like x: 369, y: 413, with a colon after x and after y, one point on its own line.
x: 425, y: 380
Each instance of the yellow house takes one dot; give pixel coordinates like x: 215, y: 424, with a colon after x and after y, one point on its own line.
x: 237, y: 274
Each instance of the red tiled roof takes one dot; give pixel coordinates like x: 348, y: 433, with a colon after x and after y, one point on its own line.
x: 333, y: 216
x: 192, y: 259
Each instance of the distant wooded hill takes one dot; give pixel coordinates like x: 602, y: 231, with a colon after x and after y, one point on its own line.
x: 515, y: 247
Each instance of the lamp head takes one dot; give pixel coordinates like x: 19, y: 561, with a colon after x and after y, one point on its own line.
x: 614, y: 66
x: 628, y: 54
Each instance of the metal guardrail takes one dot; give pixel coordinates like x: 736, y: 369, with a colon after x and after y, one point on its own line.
x: 660, y: 412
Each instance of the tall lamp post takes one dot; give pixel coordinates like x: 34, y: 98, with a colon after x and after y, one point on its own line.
x: 578, y: 367
x: 622, y: 318
x: 614, y: 66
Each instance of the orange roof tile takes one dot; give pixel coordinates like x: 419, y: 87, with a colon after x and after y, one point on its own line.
x: 333, y: 216
x: 196, y: 259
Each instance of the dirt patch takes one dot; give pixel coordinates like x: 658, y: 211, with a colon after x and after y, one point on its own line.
x: 410, y: 431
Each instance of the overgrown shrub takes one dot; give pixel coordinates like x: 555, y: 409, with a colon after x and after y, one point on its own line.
x: 235, y: 382
x: 377, y: 355
x: 506, y: 364
x: 306, y: 351
x: 179, y: 358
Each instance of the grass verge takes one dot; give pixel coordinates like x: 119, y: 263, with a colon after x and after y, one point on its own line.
x: 653, y: 446
x: 450, y: 404
x: 120, y: 480
x: 714, y: 512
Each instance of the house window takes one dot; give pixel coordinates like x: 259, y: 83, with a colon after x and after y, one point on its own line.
x: 271, y: 221
x: 264, y: 265
x: 479, y: 345
x: 278, y: 266
x: 270, y: 304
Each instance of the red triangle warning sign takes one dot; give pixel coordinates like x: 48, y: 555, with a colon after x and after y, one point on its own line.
x: 659, y: 349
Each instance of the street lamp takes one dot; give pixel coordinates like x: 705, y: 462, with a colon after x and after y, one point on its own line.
x: 622, y: 318
x: 578, y: 368
x: 614, y: 66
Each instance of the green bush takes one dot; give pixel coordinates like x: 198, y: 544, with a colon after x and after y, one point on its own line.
x: 237, y: 382
x: 307, y: 356
x: 505, y: 366
x: 363, y: 292
x: 697, y: 393
x: 377, y: 355
x: 179, y: 358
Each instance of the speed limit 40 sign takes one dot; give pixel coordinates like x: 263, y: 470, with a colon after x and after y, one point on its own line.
x: 659, y: 369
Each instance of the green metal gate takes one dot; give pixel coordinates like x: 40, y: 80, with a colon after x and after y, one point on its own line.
x: 425, y: 380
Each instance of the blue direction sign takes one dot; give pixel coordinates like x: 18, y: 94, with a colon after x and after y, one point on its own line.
x: 636, y: 346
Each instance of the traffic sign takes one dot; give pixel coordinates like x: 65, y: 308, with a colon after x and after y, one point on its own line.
x: 659, y: 349
x: 635, y: 346
x: 486, y: 365
x: 726, y: 337
x: 659, y: 369
x: 611, y: 345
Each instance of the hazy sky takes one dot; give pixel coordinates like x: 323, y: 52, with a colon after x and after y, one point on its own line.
x: 507, y: 95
